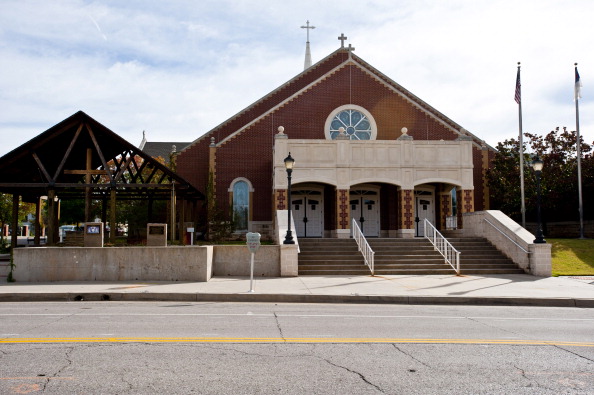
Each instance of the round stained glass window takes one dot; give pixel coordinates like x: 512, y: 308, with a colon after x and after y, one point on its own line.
x: 356, y: 124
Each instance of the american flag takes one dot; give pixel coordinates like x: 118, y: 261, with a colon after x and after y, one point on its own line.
x: 578, y: 85
x: 519, y: 88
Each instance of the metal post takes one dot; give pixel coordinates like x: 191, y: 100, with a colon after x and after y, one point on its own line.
x: 252, y: 274
x: 289, y: 236
x: 579, y: 167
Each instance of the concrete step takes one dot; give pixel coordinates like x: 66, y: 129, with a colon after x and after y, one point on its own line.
x: 400, y: 256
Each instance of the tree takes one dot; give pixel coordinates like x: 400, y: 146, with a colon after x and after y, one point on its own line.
x: 6, y: 212
x: 559, y: 181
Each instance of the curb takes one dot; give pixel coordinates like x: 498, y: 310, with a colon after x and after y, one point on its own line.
x: 292, y: 298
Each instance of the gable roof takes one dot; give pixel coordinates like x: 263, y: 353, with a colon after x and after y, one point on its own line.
x: 57, y: 158
x: 163, y: 149
x: 298, y: 85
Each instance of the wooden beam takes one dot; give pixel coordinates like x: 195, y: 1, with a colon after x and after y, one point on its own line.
x: 87, y: 172
x: 88, y: 191
x: 38, y: 222
x: 113, y: 227
x: 99, y: 152
x: 41, y: 167
x: 51, y: 220
x: 15, y: 220
x: 123, y: 168
x: 67, y: 154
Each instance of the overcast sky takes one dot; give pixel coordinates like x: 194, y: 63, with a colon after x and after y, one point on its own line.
x: 178, y: 68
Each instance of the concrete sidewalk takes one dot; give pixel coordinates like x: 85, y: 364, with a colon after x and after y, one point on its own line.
x: 519, y: 289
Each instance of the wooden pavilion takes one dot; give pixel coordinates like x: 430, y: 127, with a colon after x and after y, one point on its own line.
x: 79, y: 158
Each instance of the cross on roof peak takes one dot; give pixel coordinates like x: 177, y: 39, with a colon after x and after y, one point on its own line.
x: 342, y: 38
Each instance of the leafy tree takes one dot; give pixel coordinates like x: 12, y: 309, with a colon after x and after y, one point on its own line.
x: 559, y: 183
x: 6, y: 212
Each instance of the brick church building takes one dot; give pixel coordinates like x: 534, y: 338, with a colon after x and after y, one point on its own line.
x: 365, y: 149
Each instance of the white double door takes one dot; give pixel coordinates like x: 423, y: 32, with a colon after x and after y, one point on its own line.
x: 365, y: 210
x: 308, y: 214
x: 424, y: 209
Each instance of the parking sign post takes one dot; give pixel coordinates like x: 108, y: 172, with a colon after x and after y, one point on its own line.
x: 253, y: 243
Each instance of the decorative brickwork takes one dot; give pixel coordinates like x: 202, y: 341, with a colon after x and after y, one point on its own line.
x: 343, y: 212
x: 465, y: 201
x: 445, y: 208
x: 280, y: 198
x: 468, y: 201
x: 485, y: 189
x: 405, y: 200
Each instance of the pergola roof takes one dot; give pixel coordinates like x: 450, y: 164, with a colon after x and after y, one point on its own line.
x: 58, y: 159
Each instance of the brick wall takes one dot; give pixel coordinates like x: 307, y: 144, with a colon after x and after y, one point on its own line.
x: 249, y: 153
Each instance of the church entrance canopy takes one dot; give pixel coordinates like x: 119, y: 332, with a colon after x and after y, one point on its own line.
x: 81, y: 158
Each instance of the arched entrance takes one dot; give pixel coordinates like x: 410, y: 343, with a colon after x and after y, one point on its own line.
x: 424, y: 208
x: 307, y: 204
x: 364, y: 201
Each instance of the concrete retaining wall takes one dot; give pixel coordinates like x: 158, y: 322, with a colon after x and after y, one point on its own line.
x: 113, y: 264
x: 235, y: 261
x: 510, y: 238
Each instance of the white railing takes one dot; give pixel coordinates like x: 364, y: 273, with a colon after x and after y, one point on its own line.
x: 441, y: 244
x: 509, y: 238
x: 364, y: 247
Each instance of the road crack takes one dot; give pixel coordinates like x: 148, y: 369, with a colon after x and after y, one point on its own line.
x: 280, y: 330
x: 493, y: 326
x: 357, y: 373
x: 47, y: 380
x: 411, y: 356
x: 574, y: 353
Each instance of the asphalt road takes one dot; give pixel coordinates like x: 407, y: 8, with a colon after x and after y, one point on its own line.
x: 224, y: 348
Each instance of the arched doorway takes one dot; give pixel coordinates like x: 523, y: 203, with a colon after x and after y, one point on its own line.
x: 424, y: 208
x: 307, y: 204
x: 365, y: 209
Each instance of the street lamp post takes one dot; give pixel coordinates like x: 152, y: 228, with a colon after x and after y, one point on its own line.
x: 537, y: 165
x: 289, y: 162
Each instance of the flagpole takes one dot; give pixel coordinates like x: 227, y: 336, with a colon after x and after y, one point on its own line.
x: 578, y: 83
x: 521, y: 148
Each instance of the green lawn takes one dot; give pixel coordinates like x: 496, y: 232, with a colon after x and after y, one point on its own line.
x: 572, y: 257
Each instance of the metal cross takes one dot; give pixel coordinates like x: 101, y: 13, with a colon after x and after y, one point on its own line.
x: 308, y: 27
x: 342, y: 38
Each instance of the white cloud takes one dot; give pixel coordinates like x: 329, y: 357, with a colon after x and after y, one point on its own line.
x: 178, y: 68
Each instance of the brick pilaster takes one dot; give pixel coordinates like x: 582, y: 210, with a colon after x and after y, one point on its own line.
x: 343, y: 213
x: 445, y: 208
x: 465, y: 199
x: 405, y: 212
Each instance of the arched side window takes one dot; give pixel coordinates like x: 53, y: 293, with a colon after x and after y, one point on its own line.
x: 240, y: 190
x: 357, y: 122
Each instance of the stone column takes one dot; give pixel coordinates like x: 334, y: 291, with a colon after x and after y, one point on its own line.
x: 406, y: 215
x: 343, y: 214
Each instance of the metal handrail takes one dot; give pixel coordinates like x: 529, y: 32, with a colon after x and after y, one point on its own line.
x: 441, y: 244
x: 509, y: 238
x: 368, y: 253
